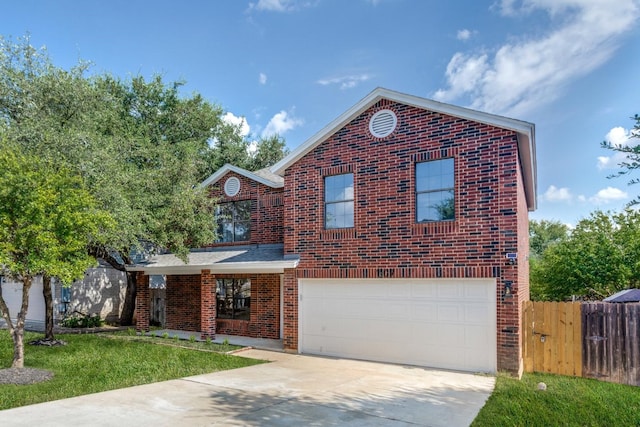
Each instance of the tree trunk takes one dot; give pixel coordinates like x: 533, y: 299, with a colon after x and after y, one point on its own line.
x: 18, y: 347
x: 17, y: 334
x: 48, y: 304
x: 129, y: 305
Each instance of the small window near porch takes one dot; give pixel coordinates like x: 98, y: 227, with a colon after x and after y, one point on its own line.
x: 233, y: 299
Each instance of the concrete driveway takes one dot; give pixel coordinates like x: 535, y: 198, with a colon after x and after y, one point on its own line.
x: 293, y: 390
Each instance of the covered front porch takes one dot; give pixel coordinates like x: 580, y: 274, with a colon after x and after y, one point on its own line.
x: 234, y: 292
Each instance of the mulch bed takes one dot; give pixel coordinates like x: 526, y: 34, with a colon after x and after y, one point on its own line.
x: 24, y: 376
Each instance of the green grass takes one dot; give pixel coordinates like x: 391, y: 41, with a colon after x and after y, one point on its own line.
x: 131, y: 335
x: 567, y: 401
x: 90, y: 364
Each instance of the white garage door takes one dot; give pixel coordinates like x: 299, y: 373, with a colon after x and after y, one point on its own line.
x: 444, y: 323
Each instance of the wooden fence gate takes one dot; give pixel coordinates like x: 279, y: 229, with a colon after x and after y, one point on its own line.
x: 592, y: 340
x: 552, y: 338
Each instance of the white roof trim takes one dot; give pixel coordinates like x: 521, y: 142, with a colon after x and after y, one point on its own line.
x: 230, y: 168
x: 525, y: 131
x: 263, y: 267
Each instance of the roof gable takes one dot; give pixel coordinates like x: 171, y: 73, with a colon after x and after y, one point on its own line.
x: 262, y: 176
x: 524, y: 130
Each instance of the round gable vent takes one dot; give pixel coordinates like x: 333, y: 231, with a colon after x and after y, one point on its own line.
x: 383, y: 123
x: 232, y: 186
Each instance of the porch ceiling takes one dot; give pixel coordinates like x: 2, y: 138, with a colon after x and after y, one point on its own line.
x: 235, y: 259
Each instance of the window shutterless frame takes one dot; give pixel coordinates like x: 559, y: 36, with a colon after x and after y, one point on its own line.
x: 234, y: 221
x: 435, y: 196
x: 338, y: 201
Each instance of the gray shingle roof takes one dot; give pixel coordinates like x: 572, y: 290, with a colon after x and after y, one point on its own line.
x: 628, y: 295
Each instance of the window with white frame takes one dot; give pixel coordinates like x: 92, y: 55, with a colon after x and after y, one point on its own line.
x: 435, y: 198
x: 338, y: 201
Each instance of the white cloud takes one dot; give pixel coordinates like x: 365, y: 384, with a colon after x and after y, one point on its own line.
x: 281, y: 123
x: 555, y: 194
x: 524, y: 74
x: 607, y: 195
x: 252, y: 148
x: 262, y: 78
x: 240, y: 122
x: 463, y: 34
x: 281, y: 5
x: 616, y: 136
x: 345, y: 82
x: 563, y: 195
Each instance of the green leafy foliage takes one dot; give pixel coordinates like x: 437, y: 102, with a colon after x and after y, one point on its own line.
x: 79, y: 320
x: 599, y: 257
x: 47, y: 221
x: 47, y: 218
x: 139, y: 146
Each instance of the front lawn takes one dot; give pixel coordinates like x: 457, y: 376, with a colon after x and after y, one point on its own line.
x: 567, y: 401
x: 90, y: 364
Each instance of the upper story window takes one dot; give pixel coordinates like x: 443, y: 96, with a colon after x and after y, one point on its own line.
x: 435, y: 200
x: 338, y: 201
x: 234, y: 221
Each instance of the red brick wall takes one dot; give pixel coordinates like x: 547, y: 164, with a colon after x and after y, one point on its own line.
x: 143, y: 303
x: 265, y: 309
x: 188, y: 309
x: 183, y: 302
x: 290, y: 315
x: 386, y: 241
x: 208, y: 305
x: 266, y: 208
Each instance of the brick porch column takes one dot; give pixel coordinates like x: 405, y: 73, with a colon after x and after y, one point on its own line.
x: 207, y: 305
x: 143, y: 302
x: 290, y: 311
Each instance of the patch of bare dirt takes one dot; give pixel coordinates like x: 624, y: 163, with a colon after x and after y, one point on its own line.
x: 24, y: 376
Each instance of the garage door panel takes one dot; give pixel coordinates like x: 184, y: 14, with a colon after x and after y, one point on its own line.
x: 424, y: 312
x: 438, y: 323
x: 449, y: 313
x: 449, y: 291
x: 477, y: 314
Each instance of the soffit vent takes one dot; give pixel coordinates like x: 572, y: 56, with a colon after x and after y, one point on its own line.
x: 232, y: 186
x: 383, y: 123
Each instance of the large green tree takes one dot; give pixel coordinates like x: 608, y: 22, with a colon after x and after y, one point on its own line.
x: 599, y: 257
x: 631, y: 153
x: 47, y: 220
x: 269, y: 151
x: 140, y: 147
x: 542, y: 235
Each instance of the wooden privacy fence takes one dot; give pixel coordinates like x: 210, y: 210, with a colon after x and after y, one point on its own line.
x: 591, y: 340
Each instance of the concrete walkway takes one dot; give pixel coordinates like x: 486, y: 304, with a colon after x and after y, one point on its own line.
x: 293, y: 390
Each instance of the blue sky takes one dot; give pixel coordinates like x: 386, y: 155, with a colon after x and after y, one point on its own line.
x: 290, y: 67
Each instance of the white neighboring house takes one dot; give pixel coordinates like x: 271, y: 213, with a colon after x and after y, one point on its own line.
x: 100, y: 292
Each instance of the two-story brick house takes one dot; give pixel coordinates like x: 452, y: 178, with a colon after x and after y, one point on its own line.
x: 397, y: 233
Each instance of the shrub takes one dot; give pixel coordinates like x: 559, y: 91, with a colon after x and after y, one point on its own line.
x: 80, y: 320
